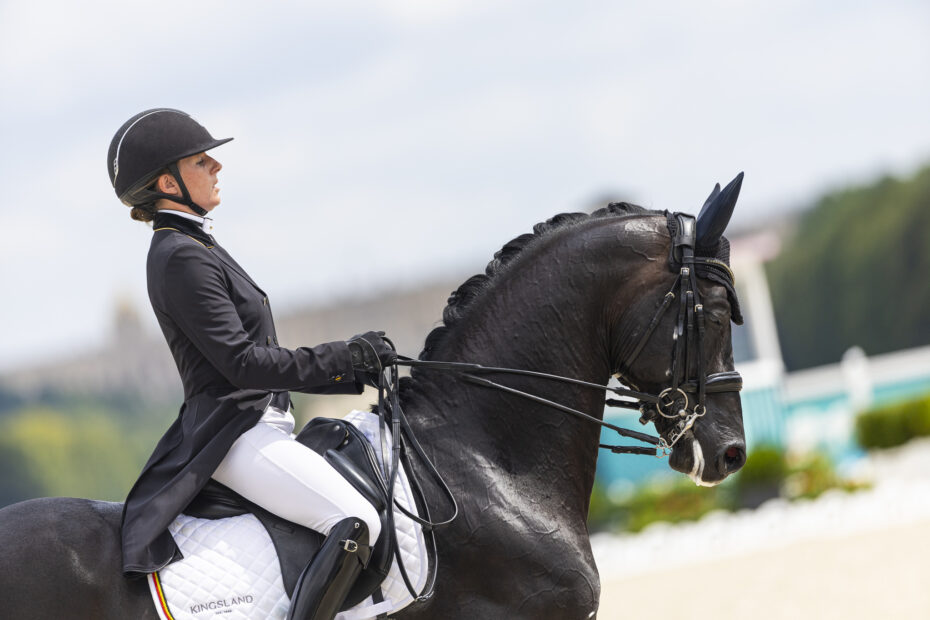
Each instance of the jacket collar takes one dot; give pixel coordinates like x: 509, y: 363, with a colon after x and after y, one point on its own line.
x: 169, y: 219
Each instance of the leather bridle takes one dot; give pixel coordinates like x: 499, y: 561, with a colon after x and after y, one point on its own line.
x: 674, y: 402
x: 683, y: 401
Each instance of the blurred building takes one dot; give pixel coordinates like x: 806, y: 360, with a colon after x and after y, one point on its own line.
x: 131, y: 361
x: 134, y: 360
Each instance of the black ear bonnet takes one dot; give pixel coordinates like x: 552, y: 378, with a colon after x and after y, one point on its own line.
x: 715, y: 266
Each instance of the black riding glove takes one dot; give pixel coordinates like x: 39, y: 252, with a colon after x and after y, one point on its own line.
x: 370, y: 354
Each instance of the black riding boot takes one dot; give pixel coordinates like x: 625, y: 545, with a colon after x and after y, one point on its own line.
x: 325, y: 582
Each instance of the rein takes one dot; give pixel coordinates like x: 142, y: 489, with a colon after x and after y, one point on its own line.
x: 673, y: 402
x: 718, y: 382
x: 470, y: 372
x: 683, y: 400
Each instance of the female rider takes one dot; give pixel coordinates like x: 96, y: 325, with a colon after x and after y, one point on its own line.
x: 235, y: 424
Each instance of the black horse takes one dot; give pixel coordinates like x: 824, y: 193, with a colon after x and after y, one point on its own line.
x: 574, y: 298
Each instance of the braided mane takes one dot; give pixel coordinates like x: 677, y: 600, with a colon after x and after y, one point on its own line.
x: 462, y: 298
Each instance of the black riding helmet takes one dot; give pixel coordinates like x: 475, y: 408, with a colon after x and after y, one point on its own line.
x: 150, y: 142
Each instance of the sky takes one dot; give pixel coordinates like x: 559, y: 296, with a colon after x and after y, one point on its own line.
x: 380, y: 144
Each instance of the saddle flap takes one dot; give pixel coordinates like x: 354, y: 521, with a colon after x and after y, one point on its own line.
x: 351, y: 454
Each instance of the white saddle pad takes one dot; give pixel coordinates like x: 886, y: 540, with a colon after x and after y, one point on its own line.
x: 230, y: 569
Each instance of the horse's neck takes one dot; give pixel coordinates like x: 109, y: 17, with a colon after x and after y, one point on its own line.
x: 543, y: 315
x: 522, y: 472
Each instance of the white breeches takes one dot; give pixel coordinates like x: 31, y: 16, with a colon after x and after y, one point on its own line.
x: 267, y: 466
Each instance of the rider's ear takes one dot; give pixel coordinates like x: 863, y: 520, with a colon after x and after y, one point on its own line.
x: 715, y: 215
x: 167, y: 185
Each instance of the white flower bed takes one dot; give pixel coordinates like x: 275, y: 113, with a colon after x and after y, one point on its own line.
x: 900, y: 496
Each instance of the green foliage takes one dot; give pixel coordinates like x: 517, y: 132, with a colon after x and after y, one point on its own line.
x: 760, y: 479
x: 17, y: 482
x: 682, y: 501
x: 9, y: 400
x: 84, y: 451
x: 767, y: 474
x: 600, y: 508
x: 893, y: 425
x: 811, y: 476
x: 855, y: 273
x: 765, y: 465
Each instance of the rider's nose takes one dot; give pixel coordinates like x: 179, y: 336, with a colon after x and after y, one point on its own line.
x: 731, y: 458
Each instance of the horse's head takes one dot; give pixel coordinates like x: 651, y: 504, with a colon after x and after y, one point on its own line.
x: 674, y: 341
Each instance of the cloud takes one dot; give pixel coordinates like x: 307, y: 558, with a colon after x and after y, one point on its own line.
x: 407, y: 137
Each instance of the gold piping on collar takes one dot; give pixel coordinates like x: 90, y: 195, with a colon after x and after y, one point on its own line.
x: 209, y: 247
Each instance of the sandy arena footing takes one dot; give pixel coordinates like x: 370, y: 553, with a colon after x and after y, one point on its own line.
x: 843, y: 556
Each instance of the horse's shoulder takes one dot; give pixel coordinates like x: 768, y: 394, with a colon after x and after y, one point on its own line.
x: 61, y: 559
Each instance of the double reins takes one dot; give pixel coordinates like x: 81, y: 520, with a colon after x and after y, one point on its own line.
x: 403, y: 440
x: 683, y: 401
x: 674, y: 402
x: 470, y: 373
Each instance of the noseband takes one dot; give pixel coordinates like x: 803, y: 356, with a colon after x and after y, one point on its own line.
x: 676, y: 402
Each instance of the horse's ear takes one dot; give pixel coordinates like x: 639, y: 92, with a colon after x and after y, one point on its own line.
x: 710, y: 199
x: 716, y: 212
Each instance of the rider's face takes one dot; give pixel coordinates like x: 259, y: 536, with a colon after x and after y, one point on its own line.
x: 199, y: 173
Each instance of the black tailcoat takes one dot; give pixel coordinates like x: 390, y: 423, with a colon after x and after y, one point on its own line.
x: 219, y: 328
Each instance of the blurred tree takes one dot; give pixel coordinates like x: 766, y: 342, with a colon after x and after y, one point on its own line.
x: 893, y: 424
x: 855, y: 273
x: 761, y: 477
x: 16, y: 480
x: 9, y: 401
x: 84, y: 451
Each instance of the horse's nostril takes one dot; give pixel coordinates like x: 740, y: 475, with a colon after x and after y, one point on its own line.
x: 732, y: 459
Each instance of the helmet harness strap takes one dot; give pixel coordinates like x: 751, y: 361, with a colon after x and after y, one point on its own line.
x: 185, y: 197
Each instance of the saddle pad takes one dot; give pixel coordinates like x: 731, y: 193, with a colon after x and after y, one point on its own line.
x: 230, y: 569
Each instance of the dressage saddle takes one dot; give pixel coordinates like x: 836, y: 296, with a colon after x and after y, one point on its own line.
x: 347, y: 450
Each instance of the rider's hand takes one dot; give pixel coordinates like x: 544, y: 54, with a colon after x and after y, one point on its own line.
x: 370, y: 355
